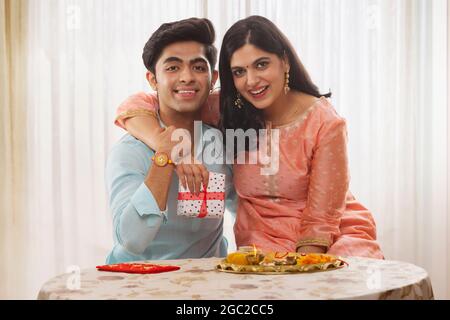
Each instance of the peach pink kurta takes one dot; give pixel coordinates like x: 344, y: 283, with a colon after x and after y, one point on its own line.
x: 307, y: 200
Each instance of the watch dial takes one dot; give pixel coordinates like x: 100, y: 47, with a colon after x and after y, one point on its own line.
x: 161, y: 159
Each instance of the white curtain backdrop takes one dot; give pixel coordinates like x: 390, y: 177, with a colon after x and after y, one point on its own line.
x: 386, y: 62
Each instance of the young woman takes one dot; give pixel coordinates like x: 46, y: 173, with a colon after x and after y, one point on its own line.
x: 306, y: 206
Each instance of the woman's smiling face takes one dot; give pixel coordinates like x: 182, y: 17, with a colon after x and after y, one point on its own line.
x: 258, y: 75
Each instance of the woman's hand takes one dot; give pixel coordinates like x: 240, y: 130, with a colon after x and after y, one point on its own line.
x: 311, y: 249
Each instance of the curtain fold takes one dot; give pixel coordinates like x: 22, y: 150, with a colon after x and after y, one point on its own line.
x: 13, y: 225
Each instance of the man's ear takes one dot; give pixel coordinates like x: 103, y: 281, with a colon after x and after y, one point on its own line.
x: 151, y: 78
x: 215, y: 76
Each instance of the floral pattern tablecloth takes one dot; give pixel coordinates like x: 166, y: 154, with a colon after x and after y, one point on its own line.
x: 197, y: 279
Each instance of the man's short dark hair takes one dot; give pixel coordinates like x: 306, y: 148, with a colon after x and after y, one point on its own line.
x: 192, y: 29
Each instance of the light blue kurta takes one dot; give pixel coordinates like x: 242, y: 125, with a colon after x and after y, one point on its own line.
x: 141, y: 230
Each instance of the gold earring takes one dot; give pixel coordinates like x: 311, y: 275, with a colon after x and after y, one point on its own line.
x: 238, y: 102
x: 286, y: 82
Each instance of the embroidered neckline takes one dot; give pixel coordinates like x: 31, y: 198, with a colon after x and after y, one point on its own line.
x: 302, y: 116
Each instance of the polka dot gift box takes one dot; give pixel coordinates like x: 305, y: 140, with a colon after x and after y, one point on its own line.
x: 208, y: 204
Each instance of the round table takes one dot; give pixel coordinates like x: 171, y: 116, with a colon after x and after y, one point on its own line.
x: 198, y: 280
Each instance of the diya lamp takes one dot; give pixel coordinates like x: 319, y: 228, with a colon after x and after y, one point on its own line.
x: 254, y: 256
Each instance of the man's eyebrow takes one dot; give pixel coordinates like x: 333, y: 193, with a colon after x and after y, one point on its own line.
x: 196, y: 60
x: 172, y: 59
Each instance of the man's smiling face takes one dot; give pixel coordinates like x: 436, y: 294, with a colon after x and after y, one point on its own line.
x: 183, y: 76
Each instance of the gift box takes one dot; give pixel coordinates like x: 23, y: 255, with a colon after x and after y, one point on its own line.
x: 210, y: 203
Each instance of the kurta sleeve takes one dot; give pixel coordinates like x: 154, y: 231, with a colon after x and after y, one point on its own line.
x: 329, y: 182
x: 140, y: 104
x: 146, y: 104
x: 136, y: 214
x: 211, y: 110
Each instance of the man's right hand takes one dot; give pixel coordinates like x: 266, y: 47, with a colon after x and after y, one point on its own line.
x: 193, y: 175
x: 190, y: 175
x: 164, y: 138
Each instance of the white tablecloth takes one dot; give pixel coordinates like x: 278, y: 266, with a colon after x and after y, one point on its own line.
x: 198, y: 279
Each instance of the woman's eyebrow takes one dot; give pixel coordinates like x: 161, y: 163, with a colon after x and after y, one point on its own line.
x: 261, y: 59
x: 255, y: 62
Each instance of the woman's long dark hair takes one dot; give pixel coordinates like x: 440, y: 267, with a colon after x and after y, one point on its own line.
x: 265, y: 35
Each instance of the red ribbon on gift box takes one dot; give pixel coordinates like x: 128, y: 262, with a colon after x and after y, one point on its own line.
x: 204, y: 196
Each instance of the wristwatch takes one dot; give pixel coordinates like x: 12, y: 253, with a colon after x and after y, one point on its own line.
x: 161, y: 159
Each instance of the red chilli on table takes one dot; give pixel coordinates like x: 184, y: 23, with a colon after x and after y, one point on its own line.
x: 137, y: 268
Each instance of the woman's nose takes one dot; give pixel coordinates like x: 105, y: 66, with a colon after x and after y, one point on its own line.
x: 252, y: 78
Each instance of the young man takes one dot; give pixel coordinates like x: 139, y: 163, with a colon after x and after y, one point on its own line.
x: 143, y: 191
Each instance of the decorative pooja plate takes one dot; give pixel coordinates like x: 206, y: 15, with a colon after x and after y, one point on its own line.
x: 279, y: 263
